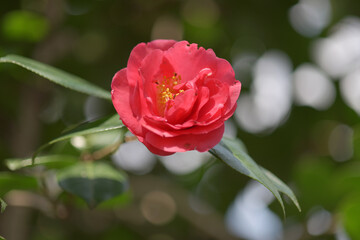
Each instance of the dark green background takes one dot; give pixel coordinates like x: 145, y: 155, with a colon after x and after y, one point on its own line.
x: 93, y: 39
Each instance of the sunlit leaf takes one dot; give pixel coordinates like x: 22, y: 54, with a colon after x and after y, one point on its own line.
x: 233, y: 154
x: 2, y: 205
x: 57, y: 76
x: 95, y: 182
x: 2, y: 238
x: 24, y: 26
x: 350, y: 214
x: 11, y: 181
x: 118, y: 201
x: 99, y: 126
x: 345, y: 180
x: 49, y: 161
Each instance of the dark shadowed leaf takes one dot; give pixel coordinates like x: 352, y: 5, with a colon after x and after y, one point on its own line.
x: 57, y: 76
x: 11, y: 181
x: 2, y: 205
x: 97, y: 126
x: 49, y: 161
x: 232, y: 152
x: 95, y: 182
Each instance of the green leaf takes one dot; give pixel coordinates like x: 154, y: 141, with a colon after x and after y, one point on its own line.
x: 11, y: 181
x: 350, y: 216
x: 49, y: 161
x: 95, y: 182
x: 101, y: 125
x: 232, y: 152
x: 118, y: 201
x: 282, y: 187
x: 2, y: 206
x: 57, y: 76
x: 2, y: 238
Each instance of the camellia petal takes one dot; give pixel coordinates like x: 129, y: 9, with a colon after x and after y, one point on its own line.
x: 234, y: 92
x: 162, y: 44
x: 182, y: 107
x: 186, y: 142
x: 175, y: 96
x: 121, y: 99
x: 189, y: 60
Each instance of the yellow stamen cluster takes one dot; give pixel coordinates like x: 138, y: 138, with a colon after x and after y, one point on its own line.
x: 166, y: 89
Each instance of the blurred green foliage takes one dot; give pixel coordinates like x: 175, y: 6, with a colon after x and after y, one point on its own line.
x: 93, y: 39
x: 24, y: 26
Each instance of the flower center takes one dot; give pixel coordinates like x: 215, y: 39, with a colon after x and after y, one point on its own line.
x: 167, y: 91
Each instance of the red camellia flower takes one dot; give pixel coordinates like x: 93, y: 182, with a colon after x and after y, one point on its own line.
x: 175, y: 96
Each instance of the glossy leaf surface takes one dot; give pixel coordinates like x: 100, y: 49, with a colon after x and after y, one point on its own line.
x: 98, y: 126
x: 94, y: 182
x: 11, y: 181
x: 57, y: 76
x: 232, y: 152
x: 49, y: 161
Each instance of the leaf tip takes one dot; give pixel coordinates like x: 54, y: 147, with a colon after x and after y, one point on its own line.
x: 3, y: 205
